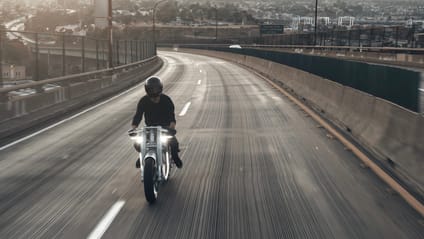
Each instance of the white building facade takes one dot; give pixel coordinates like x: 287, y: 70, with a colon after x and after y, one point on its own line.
x: 13, y: 72
x: 346, y: 21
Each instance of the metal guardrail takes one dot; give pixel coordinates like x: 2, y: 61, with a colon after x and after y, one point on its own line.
x: 393, y: 36
x: 349, y: 48
x: 24, y: 48
x: 346, y: 48
x: 25, y: 106
x: 64, y: 80
x: 401, y: 57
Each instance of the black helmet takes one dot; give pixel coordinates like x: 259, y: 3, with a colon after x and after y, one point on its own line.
x: 153, y: 86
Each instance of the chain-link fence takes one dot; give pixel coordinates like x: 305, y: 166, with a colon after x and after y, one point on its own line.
x: 32, y: 56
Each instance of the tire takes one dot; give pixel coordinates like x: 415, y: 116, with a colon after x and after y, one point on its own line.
x: 150, y: 182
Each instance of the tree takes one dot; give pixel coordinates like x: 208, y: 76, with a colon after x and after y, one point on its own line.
x: 50, y: 19
x: 186, y: 15
x: 167, y: 12
x: 15, y: 52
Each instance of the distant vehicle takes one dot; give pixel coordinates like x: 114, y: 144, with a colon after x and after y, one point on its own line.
x: 235, y: 46
x: 49, y: 86
x: 22, y: 92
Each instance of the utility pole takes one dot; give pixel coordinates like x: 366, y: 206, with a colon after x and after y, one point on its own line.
x: 316, y: 22
x: 216, y: 23
x: 36, y: 73
x: 1, y: 60
x: 154, y: 21
x: 63, y: 54
x: 110, y: 64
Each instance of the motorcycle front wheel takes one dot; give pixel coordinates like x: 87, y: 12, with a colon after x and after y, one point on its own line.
x: 150, y: 182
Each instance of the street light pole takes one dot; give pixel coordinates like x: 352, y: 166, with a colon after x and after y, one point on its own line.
x: 110, y: 64
x: 1, y: 61
x: 216, y: 23
x: 154, y: 19
x: 316, y: 22
x: 154, y: 26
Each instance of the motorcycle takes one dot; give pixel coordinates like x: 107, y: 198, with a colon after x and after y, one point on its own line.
x: 152, y: 144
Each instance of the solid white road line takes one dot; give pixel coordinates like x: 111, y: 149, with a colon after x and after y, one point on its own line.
x: 184, y: 111
x: 65, y: 120
x: 106, y: 221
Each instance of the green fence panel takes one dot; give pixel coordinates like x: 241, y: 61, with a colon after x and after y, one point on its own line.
x: 394, y: 84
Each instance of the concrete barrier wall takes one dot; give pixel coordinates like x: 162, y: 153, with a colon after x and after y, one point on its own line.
x: 419, y: 134
x: 38, y: 101
x: 106, y: 81
x: 22, y: 112
x: 399, y: 59
x: 394, y: 134
x: 355, y: 111
x: 22, y: 105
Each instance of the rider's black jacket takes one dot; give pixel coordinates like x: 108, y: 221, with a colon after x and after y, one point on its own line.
x: 155, y: 114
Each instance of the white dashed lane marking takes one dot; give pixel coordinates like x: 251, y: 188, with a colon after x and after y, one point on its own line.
x: 106, y: 221
x: 185, y: 109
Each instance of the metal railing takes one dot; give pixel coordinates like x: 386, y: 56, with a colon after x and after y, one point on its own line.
x: 396, y: 37
x: 6, y: 93
x: 45, y: 55
x: 293, y: 47
x: 405, y: 57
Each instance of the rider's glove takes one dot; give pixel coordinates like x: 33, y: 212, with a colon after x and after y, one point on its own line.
x: 172, y: 132
x: 131, y: 132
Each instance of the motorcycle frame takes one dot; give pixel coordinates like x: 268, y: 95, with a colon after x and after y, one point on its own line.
x: 152, y: 147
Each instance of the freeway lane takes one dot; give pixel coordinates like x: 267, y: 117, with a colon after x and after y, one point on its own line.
x: 255, y: 166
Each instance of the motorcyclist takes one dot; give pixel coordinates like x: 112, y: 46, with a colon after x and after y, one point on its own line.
x: 158, y: 110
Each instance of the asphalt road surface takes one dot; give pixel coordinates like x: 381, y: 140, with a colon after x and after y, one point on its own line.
x: 255, y: 166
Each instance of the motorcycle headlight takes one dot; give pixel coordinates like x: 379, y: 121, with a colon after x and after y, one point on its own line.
x: 138, y: 139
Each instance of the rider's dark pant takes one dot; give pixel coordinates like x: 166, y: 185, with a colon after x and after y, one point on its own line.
x: 173, y: 142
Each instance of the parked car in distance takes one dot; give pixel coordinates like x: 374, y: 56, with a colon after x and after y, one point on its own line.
x: 235, y: 46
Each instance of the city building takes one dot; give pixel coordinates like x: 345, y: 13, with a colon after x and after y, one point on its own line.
x: 418, y: 24
x: 323, y: 21
x: 346, y: 21
x: 13, y: 72
x: 301, y: 23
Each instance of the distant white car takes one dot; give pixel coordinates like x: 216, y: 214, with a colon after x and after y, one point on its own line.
x: 48, y: 87
x: 23, y: 92
x: 235, y: 46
